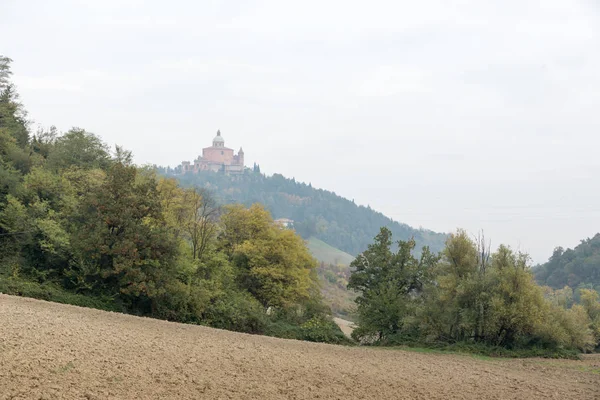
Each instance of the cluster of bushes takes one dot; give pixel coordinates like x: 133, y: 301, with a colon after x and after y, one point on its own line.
x: 467, y: 297
x: 82, y: 225
x: 51, y: 292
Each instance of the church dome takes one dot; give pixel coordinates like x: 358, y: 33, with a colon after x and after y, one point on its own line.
x: 218, y: 139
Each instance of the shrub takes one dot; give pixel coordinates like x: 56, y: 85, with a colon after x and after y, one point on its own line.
x: 323, y: 329
x: 51, y: 292
x: 237, y: 311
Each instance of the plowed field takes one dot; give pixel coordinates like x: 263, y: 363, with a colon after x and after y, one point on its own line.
x: 54, y: 351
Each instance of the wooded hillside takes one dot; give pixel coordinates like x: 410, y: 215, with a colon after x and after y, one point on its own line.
x: 576, y: 268
x: 333, y: 219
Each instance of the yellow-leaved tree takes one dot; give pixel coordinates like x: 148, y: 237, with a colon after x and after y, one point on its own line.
x: 271, y: 262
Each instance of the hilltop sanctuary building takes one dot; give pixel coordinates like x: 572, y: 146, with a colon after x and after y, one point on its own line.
x: 216, y: 158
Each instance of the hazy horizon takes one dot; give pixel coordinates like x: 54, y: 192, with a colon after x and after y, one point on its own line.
x: 472, y: 115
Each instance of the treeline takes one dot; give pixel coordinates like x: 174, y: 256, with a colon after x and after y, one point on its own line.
x: 83, y: 225
x: 577, y: 268
x: 333, y: 219
x: 465, y: 296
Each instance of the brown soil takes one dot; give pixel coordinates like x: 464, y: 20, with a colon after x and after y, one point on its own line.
x: 53, y: 351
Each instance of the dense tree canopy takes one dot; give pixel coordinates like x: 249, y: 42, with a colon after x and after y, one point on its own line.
x: 337, y: 221
x: 576, y: 268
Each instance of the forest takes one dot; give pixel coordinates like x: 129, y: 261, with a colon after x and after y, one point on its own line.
x: 333, y: 219
x: 466, y: 297
x: 577, y: 268
x: 81, y: 224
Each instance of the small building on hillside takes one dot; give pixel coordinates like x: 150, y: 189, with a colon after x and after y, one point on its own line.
x: 284, y: 222
x: 217, y: 158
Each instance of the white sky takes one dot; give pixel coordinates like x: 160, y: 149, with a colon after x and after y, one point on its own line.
x: 441, y: 114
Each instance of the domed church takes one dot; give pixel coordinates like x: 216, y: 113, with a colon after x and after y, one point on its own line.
x: 216, y: 158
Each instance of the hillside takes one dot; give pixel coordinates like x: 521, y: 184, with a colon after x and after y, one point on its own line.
x: 334, y: 272
x: 333, y: 219
x: 578, y: 267
x: 52, y: 351
x: 327, y: 254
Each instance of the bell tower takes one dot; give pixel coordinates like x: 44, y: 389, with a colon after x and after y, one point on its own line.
x: 241, y: 157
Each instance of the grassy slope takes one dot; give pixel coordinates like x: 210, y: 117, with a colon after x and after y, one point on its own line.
x: 328, y: 254
x: 333, y: 273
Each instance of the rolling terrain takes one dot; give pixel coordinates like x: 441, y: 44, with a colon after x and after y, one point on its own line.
x: 327, y: 254
x: 55, y: 351
x: 333, y: 272
x: 337, y: 221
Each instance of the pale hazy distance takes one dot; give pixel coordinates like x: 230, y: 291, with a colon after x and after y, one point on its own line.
x: 481, y: 115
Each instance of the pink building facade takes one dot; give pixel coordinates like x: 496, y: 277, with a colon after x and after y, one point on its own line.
x: 216, y: 158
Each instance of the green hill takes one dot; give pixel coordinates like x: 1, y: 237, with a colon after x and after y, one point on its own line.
x: 327, y: 254
x: 577, y: 268
x: 334, y: 273
x: 316, y: 213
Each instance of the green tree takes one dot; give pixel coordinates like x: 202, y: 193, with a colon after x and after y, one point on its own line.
x: 14, y: 133
x: 15, y: 233
x: 590, y: 302
x: 389, y: 285
x: 78, y: 148
x: 122, y: 243
x: 10, y: 175
x: 5, y: 71
x: 13, y: 117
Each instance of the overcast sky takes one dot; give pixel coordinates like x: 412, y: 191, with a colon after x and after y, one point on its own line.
x: 441, y: 114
